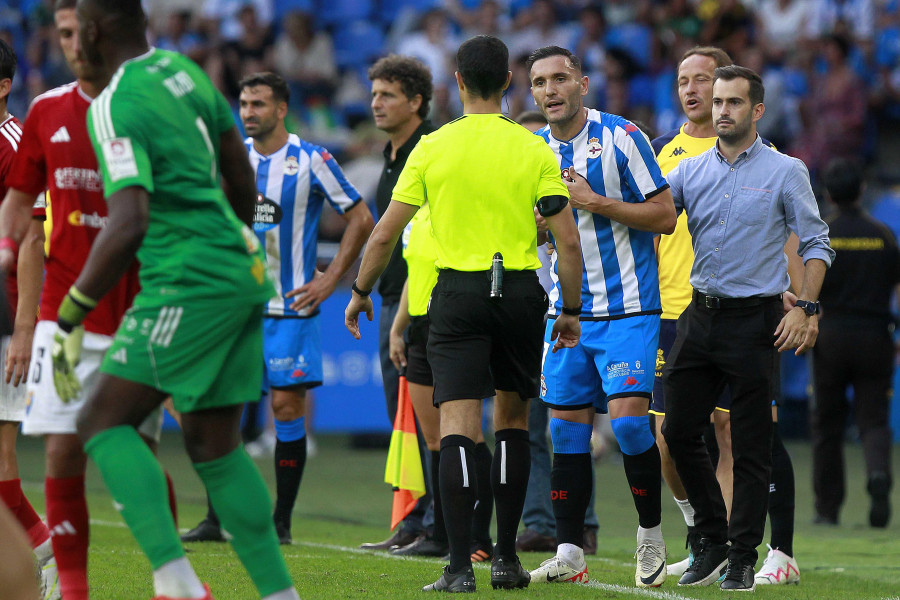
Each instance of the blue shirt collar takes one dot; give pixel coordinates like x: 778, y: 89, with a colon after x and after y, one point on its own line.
x: 746, y: 154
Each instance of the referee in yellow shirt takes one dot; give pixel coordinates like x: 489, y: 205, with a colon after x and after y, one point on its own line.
x: 482, y: 176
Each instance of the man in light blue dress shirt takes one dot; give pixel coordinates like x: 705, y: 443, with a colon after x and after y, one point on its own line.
x: 742, y: 199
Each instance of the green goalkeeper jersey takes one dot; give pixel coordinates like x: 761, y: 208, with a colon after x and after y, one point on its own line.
x: 157, y: 126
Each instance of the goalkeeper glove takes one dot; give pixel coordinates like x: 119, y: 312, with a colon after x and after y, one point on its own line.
x: 66, y: 352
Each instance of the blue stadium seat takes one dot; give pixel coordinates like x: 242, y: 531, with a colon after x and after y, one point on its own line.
x: 357, y: 44
x: 389, y: 9
x: 284, y: 7
x: 339, y: 13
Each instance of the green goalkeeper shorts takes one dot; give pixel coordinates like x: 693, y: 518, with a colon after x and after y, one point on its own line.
x: 203, y: 355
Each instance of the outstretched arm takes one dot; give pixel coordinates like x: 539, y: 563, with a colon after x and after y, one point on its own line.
x: 359, y: 227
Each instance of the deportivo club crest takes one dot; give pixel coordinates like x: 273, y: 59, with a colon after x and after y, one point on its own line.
x: 594, y: 148
x: 291, y: 166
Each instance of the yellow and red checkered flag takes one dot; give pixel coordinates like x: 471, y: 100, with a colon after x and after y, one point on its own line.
x: 404, y: 463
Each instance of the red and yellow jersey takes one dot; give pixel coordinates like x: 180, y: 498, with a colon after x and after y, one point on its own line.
x: 10, y: 136
x: 55, y: 154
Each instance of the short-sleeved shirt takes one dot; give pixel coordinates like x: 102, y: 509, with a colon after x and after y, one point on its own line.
x: 293, y: 183
x: 482, y: 174
x: 157, y: 126
x: 675, y: 253
x: 10, y: 136
x: 620, y: 275
x: 420, y: 254
x: 55, y: 155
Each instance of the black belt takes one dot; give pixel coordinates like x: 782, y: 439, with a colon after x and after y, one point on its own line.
x: 716, y: 303
x: 486, y: 275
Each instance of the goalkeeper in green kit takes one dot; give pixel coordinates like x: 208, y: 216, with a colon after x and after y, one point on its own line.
x: 161, y: 132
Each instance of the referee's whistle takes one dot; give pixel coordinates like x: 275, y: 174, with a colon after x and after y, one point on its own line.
x: 497, y: 276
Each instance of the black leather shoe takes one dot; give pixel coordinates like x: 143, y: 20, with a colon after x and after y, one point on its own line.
x: 739, y: 577
x: 708, y: 565
x: 400, y: 539
x: 454, y: 583
x: 824, y: 520
x: 423, y: 546
x: 879, y: 488
x: 508, y: 574
x: 205, y: 531
x: 284, y: 533
x: 532, y: 541
x: 589, y: 540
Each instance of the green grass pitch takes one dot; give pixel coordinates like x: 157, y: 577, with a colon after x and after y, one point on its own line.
x: 344, y: 502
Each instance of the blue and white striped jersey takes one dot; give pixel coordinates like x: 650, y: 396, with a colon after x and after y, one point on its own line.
x: 293, y: 184
x: 619, y: 276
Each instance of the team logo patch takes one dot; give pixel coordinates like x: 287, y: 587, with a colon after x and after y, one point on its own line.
x: 119, y: 156
x: 267, y: 214
x: 594, y: 148
x: 291, y: 166
x: 543, y: 387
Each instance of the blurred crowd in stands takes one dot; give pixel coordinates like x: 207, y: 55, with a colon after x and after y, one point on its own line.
x: 831, y: 67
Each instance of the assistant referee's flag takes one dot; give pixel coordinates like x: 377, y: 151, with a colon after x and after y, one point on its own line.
x: 404, y: 463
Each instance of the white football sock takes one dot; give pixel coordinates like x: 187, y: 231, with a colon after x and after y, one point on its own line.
x: 176, y: 579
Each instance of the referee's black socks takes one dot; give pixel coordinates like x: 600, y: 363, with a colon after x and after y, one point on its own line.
x: 509, y: 480
x: 458, y: 484
x: 484, y: 507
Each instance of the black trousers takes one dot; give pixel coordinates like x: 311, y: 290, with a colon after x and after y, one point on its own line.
x: 849, y: 352
x: 716, y: 347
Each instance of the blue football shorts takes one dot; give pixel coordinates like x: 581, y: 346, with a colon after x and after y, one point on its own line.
x: 292, y: 353
x: 613, y: 359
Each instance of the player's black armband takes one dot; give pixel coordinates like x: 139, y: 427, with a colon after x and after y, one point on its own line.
x: 551, y: 205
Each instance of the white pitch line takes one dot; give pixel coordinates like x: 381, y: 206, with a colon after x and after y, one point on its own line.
x: 621, y: 589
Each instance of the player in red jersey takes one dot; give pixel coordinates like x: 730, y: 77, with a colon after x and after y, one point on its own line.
x: 55, y: 154
x: 12, y: 397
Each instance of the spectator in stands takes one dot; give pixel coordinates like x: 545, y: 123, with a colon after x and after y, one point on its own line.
x: 222, y: 19
x: 780, y: 24
x: 251, y: 52
x: 435, y: 45
x: 305, y: 58
x: 854, y: 17
x: 543, y: 29
x: 179, y: 36
x: 834, y: 114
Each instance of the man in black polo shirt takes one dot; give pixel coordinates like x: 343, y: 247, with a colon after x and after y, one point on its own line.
x: 401, y: 92
x: 854, y: 349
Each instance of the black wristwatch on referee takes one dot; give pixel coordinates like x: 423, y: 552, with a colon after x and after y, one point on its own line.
x: 809, y: 307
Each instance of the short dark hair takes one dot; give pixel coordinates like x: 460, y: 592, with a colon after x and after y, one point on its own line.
x: 483, y: 64
x: 757, y: 91
x: 124, y: 18
x: 547, y: 52
x: 843, y: 178
x: 414, y: 77
x: 717, y: 54
x: 279, y: 87
x: 8, y: 61
x: 64, y: 4
x: 531, y: 116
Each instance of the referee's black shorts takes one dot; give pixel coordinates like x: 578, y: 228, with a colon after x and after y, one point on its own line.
x: 418, y: 369
x: 477, y: 345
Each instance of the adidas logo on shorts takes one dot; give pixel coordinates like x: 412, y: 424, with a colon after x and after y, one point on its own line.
x: 120, y: 356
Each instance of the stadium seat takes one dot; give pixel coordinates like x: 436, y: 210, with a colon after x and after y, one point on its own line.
x: 389, y: 9
x: 357, y: 44
x: 338, y: 13
x: 285, y: 7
